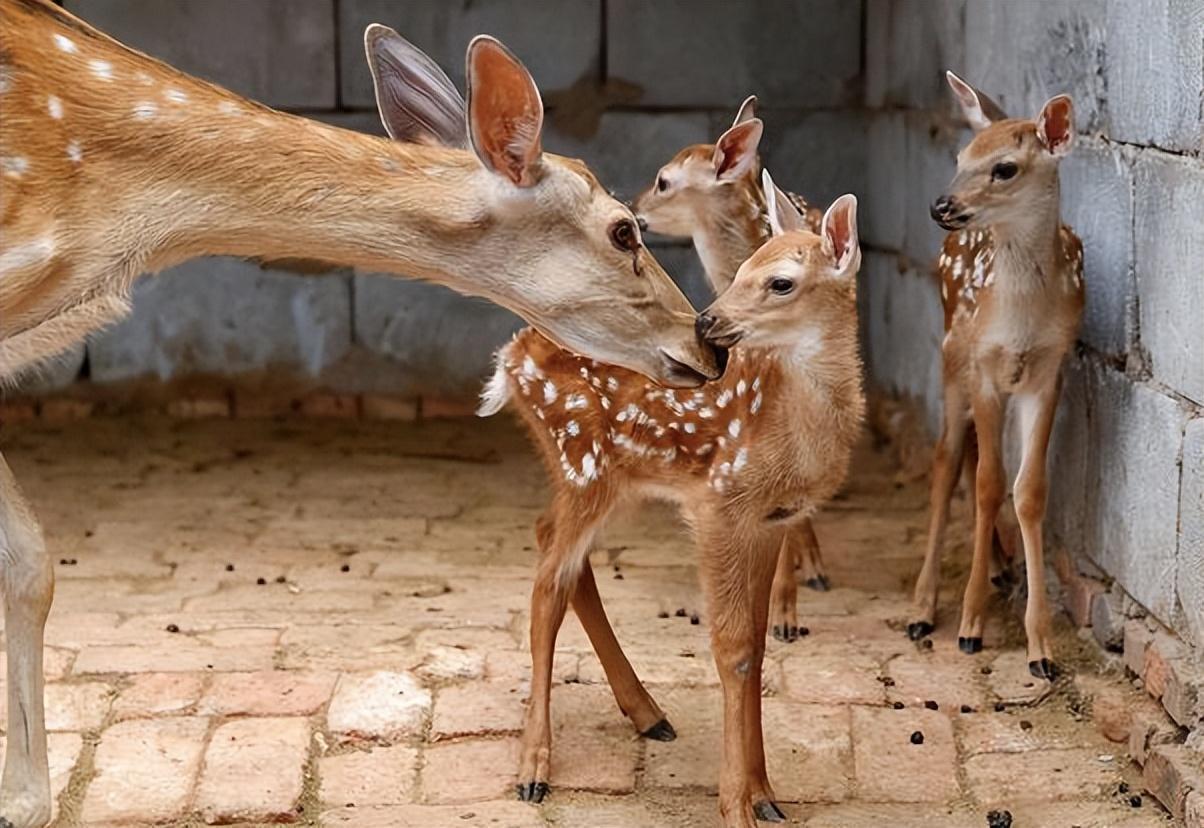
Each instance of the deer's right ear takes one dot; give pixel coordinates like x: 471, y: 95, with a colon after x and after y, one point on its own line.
x: 747, y: 111
x: 418, y: 103
x: 839, y: 233
x: 783, y: 215
x: 980, y: 111
x: 736, y: 150
x: 505, y: 113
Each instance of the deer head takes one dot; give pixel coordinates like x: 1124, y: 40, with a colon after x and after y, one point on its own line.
x: 576, y: 263
x: 1009, y: 171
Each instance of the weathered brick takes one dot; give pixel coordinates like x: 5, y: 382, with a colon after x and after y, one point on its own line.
x: 1108, y: 620
x: 908, y: 48
x: 882, y: 745
x: 378, y: 706
x: 384, y: 407
x: 479, y: 708
x: 267, y: 693
x: 495, y: 814
x: 1181, y: 695
x: 472, y: 770
x: 1150, y: 729
x: 254, y: 771
x: 1170, y: 773
x: 1190, y: 580
x: 379, y: 776
x: 158, y: 694
x: 282, y: 52
x: 1079, y: 774
x: 145, y: 770
x: 786, y: 64
x: 1137, y: 640
x: 226, y: 316
x: 833, y: 679
x: 1170, y: 246
x: 72, y: 707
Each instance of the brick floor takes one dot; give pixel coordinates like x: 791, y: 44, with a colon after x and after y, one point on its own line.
x: 391, y: 694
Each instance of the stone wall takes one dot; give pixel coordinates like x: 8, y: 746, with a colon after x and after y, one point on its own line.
x: 1127, y: 462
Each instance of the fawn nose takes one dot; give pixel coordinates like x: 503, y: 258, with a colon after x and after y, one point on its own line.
x: 703, y: 324
x: 643, y: 225
x: 942, y: 207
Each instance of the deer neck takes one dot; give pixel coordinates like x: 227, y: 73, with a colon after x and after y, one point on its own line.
x: 726, y: 236
x: 1027, y: 245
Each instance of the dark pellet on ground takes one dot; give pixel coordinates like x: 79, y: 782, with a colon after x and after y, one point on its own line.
x: 261, y: 581
x: 986, y: 671
x: 345, y: 568
x: 898, y: 705
x: 694, y: 619
x: 1123, y: 788
x: 662, y: 614
x: 917, y: 738
x: 280, y: 579
x: 618, y: 576
x: 88, y: 533
x: 999, y: 707
x: 967, y: 708
x: 999, y: 819
x: 804, y: 631
x: 73, y: 561
x: 887, y: 681
x: 1135, y: 801
x: 926, y: 643
x: 931, y: 705
x: 62, y: 561
x: 229, y: 567
x: 1025, y: 724
x: 681, y: 612
x: 172, y: 628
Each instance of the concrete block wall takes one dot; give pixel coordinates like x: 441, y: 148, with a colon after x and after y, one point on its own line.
x: 690, y: 61
x: 1126, y: 490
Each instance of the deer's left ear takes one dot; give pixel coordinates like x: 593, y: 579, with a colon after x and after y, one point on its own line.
x: 747, y: 111
x: 418, y: 103
x: 839, y: 234
x: 1055, y: 125
x: 505, y: 112
x: 736, y: 150
x: 783, y: 215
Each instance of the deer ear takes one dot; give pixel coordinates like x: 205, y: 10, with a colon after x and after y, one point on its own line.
x: 979, y: 110
x: 418, y: 103
x: 1055, y: 125
x: 839, y: 232
x: 505, y: 113
x: 747, y: 111
x: 783, y: 215
x: 736, y: 150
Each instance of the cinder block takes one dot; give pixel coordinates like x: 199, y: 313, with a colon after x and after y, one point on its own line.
x: 1171, y: 773
x: 1097, y: 201
x: 884, y: 211
x: 820, y: 155
x: 1069, y: 464
x: 1138, y: 637
x: 1190, y: 582
x: 711, y: 53
x: 280, y: 52
x: 1153, y: 72
x: 227, y: 316
x: 427, y: 340
x: 1136, y: 433
x: 908, y: 48
x: 931, y: 165
x: 1170, y: 248
x: 558, y: 42
x: 682, y: 263
x: 1022, y: 54
x: 1108, y: 621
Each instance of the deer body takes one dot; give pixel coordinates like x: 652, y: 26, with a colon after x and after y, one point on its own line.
x: 748, y: 457
x: 1012, y: 287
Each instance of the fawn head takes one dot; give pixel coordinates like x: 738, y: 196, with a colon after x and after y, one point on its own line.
x: 576, y: 265
x: 1010, y: 168
x: 696, y: 181
x: 787, y: 290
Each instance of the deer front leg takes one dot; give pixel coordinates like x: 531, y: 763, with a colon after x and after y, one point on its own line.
x: 28, y: 583
x: 549, y: 600
x: 783, y: 602
x: 810, y: 558
x: 945, y: 464
x: 1036, y: 417
x: 989, y: 492
x: 1000, y: 565
x: 763, y: 577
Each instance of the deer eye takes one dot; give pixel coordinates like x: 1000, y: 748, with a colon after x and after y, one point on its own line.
x: 1003, y: 171
x: 781, y: 285
x: 624, y: 236
x: 662, y: 183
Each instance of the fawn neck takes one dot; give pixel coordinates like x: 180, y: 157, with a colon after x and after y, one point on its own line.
x: 1028, y: 239
x: 730, y: 232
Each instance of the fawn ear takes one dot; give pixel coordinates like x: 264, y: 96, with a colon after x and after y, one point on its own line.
x: 980, y: 110
x: 783, y: 215
x: 505, y: 113
x: 736, y: 150
x: 418, y: 103
x: 1055, y: 125
x: 839, y: 232
x: 747, y: 111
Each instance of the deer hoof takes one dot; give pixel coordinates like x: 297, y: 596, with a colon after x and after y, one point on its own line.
x: 4, y: 823
x: 768, y: 811
x: 919, y: 629
x: 1043, y: 669
x: 662, y: 731
x: 820, y: 583
x: 969, y: 645
x: 533, y: 792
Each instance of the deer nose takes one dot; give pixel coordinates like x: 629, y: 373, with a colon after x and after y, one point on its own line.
x: 703, y: 324
x: 942, y: 207
x: 642, y: 223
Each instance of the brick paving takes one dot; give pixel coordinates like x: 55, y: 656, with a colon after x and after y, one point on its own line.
x: 323, y: 623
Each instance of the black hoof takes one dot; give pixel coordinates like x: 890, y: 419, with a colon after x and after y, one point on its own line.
x: 4, y: 823
x: 1043, y: 669
x: 789, y: 634
x: 533, y: 792
x: 969, y: 646
x: 820, y: 584
x: 662, y: 731
x: 768, y: 811
x: 919, y: 629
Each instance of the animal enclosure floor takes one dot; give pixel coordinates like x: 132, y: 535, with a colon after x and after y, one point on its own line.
x: 324, y: 622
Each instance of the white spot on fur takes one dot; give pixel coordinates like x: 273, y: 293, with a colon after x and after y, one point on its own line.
x: 14, y: 165
x: 54, y: 106
x: 228, y: 108
x: 706, y: 413
x: 690, y: 428
x: 612, y: 384
x: 145, y: 110
x: 530, y: 370
x: 75, y: 152
x: 575, y: 401
x: 741, y: 460
x: 741, y: 387
x: 549, y: 392
x: 572, y: 428
x: 588, y: 468
x: 65, y: 44
x: 733, y: 428
x: 725, y: 397
x: 810, y: 343
x: 497, y: 390
x: 756, y: 404
x: 24, y: 256
x: 175, y: 96
x: 102, y: 69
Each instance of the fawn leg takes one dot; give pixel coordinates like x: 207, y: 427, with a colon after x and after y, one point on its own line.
x: 811, y: 560
x: 1000, y: 566
x: 1036, y: 415
x: 945, y: 464
x: 633, y: 698
x: 783, y: 603
x: 28, y: 582
x: 989, y: 491
x: 762, y: 578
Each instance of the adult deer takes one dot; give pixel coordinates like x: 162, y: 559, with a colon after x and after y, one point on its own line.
x: 1012, y: 285
x: 113, y: 164
x: 714, y: 195
x: 746, y: 457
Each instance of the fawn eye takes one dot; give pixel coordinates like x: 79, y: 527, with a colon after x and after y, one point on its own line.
x: 662, y: 183
x: 1003, y: 171
x: 781, y: 285
x: 624, y: 237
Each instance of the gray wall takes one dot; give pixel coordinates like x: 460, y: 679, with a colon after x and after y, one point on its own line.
x: 691, y: 61
x: 1127, y: 464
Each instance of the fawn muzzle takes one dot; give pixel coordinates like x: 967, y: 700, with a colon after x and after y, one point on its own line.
x: 948, y: 213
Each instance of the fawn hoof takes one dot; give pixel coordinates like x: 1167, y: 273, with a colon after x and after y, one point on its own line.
x: 532, y: 792
x: 768, y: 811
x: 969, y: 645
x: 662, y: 731
x: 919, y: 629
x: 789, y: 634
x: 1043, y: 669
x: 819, y: 584
x: 4, y: 823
